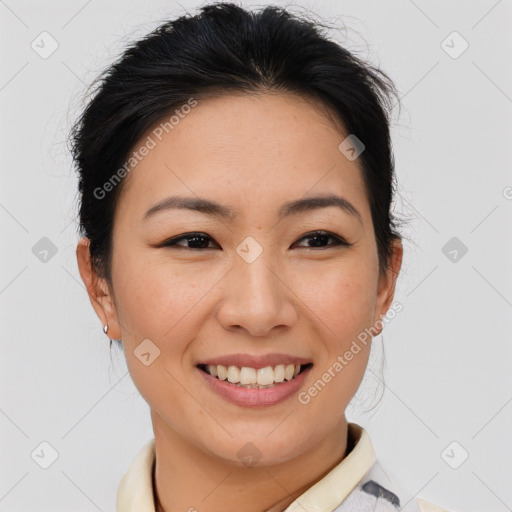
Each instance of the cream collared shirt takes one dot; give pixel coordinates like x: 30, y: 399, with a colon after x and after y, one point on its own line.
x: 357, y: 483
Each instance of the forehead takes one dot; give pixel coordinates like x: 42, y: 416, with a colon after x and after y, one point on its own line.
x: 243, y: 149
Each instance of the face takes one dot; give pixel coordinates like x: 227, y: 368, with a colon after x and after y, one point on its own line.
x: 265, y: 285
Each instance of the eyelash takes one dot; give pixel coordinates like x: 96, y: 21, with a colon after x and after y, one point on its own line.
x: 172, y: 242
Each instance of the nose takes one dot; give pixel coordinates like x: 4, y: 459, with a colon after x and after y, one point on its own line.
x: 257, y: 298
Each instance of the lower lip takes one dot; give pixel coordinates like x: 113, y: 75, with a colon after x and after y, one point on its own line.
x: 254, y: 397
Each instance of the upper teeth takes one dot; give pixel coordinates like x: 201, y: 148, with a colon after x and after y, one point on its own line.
x: 260, y: 376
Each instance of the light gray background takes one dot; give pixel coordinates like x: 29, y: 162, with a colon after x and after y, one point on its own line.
x: 448, y: 353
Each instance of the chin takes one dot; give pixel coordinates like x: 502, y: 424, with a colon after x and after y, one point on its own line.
x: 258, y: 449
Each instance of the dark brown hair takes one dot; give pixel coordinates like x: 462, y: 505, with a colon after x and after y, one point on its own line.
x: 228, y: 48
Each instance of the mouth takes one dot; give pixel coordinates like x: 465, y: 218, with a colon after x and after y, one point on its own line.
x: 255, y: 378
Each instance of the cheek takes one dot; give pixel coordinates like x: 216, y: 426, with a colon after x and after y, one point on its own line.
x: 341, y: 296
x: 340, y: 300
x: 342, y: 305
x: 156, y: 298
x: 161, y: 304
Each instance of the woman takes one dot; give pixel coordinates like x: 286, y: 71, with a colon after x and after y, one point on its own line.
x: 236, y: 178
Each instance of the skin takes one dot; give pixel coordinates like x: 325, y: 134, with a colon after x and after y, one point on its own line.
x: 251, y: 153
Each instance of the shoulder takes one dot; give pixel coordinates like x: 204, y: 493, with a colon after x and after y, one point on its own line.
x: 359, y: 483
x: 135, y: 489
x: 377, y: 492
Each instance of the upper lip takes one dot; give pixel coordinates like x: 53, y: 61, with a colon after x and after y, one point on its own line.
x: 253, y: 361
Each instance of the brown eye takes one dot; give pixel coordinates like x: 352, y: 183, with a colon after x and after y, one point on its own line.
x: 320, y: 239
x: 195, y: 241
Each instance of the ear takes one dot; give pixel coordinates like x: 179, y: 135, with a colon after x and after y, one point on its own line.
x: 387, y: 283
x: 99, y: 292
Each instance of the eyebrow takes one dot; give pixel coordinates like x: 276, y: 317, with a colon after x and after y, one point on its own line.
x: 289, y: 208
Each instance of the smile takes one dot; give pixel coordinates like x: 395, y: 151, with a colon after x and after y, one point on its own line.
x: 269, y: 381
x: 255, y: 378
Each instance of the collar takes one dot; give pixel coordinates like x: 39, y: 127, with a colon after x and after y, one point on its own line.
x: 135, y: 490
x: 334, y: 487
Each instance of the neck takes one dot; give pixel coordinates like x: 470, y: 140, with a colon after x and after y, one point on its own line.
x: 189, y: 479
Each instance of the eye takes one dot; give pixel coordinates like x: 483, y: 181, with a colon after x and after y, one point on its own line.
x: 197, y: 240
x: 320, y: 237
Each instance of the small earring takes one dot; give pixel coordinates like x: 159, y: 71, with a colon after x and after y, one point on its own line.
x: 105, y: 328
